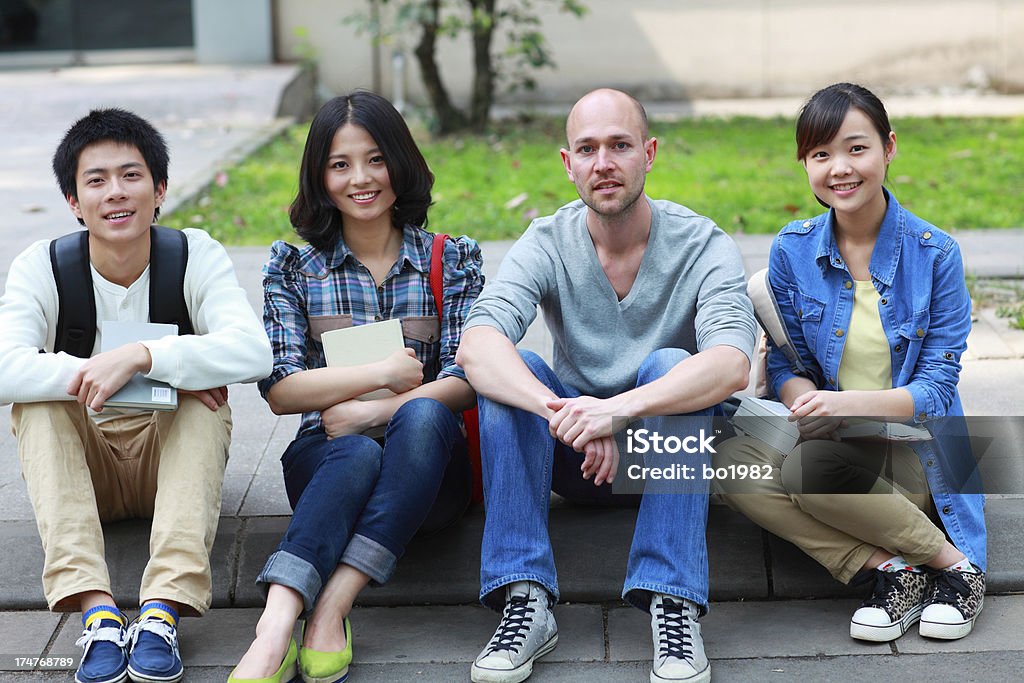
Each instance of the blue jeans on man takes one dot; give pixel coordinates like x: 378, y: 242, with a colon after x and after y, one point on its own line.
x: 523, y: 463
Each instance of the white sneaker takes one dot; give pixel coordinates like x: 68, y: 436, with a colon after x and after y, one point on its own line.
x: 956, y: 600
x: 527, y: 631
x: 894, y: 605
x: 678, y: 646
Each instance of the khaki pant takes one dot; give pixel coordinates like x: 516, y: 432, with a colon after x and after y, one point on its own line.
x: 839, y: 530
x: 167, y: 466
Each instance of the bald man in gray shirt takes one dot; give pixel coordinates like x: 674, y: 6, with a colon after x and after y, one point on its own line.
x: 646, y: 303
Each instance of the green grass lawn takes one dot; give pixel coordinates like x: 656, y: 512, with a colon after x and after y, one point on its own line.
x: 955, y: 173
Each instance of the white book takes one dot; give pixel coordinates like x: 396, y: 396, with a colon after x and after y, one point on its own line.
x: 139, y: 392
x: 362, y: 344
x: 766, y: 420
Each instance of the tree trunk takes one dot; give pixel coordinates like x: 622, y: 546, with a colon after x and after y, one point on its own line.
x: 449, y: 119
x: 483, y: 68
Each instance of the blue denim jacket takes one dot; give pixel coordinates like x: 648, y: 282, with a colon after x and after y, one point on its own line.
x: 926, y: 316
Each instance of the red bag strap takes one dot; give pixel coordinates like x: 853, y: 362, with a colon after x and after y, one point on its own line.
x: 469, y: 417
x: 437, y: 273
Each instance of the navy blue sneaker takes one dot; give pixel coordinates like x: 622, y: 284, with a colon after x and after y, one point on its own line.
x: 104, y: 659
x: 153, y: 646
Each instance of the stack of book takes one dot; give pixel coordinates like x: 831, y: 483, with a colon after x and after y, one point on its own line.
x: 769, y: 421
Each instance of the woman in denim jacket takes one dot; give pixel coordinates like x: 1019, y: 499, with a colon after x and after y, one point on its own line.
x: 875, y: 303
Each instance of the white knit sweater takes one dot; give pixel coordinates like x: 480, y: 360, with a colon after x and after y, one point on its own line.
x: 229, y: 344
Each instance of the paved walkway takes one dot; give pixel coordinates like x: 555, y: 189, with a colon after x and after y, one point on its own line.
x: 752, y: 641
x: 211, y: 115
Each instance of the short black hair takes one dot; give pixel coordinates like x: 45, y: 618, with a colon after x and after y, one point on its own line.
x: 823, y: 114
x: 115, y: 125
x: 313, y: 215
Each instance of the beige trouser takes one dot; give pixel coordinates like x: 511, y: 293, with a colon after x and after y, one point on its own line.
x: 167, y: 466
x: 839, y: 530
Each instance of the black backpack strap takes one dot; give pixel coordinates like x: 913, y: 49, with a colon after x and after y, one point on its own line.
x: 168, y: 258
x: 76, y: 303
x: 76, y: 306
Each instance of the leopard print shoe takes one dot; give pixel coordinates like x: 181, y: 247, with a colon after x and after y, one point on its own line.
x: 895, y: 604
x: 955, y: 601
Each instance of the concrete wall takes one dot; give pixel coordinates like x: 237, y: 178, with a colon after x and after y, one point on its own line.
x: 672, y: 49
x: 233, y: 31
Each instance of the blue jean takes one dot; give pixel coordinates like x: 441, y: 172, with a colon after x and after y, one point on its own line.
x: 359, y: 503
x: 523, y: 463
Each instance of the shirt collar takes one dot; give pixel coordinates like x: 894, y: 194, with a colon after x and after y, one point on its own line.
x: 411, y: 251
x: 886, y: 253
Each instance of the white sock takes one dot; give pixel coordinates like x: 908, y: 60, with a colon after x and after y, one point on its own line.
x: 895, y: 564
x: 963, y: 565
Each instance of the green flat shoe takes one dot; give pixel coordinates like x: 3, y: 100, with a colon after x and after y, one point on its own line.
x: 326, y: 667
x: 284, y: 675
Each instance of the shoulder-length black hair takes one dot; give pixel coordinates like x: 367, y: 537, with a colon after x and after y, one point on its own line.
x: 823, y: 115
x: 313, y: 215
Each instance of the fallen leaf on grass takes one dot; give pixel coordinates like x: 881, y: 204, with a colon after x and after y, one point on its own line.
x: 517, y: 200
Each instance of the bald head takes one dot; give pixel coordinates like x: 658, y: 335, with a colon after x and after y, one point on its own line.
x: 602, y: 102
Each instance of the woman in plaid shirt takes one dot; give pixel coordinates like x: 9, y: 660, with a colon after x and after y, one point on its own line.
x: 364, y: 190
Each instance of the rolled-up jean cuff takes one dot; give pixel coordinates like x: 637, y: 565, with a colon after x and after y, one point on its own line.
x: 286, y: 569
x: 370, y: 557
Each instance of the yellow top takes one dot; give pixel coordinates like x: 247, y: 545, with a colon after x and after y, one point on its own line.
x: 866, y: 364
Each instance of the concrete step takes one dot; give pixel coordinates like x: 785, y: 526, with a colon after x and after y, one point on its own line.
x: 786, y: 640
x: 591, y: 547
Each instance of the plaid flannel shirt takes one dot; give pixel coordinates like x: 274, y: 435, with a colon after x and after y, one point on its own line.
x: 306, y: 290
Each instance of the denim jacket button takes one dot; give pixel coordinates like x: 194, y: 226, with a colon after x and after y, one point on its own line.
x: 848, y: 284
x: 831, y: 380
x: 927, y: 235
x: 947, y: 355
x: 920, y: 332
x: 807, y: 224
x: 931, y: 463
x: 839, y: 333
x: 945, y: 509
x: 885, y: 301
x: 922, y: 416
x: 899, y: 347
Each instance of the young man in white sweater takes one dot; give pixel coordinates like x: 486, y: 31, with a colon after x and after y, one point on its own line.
x: 85, y: 463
